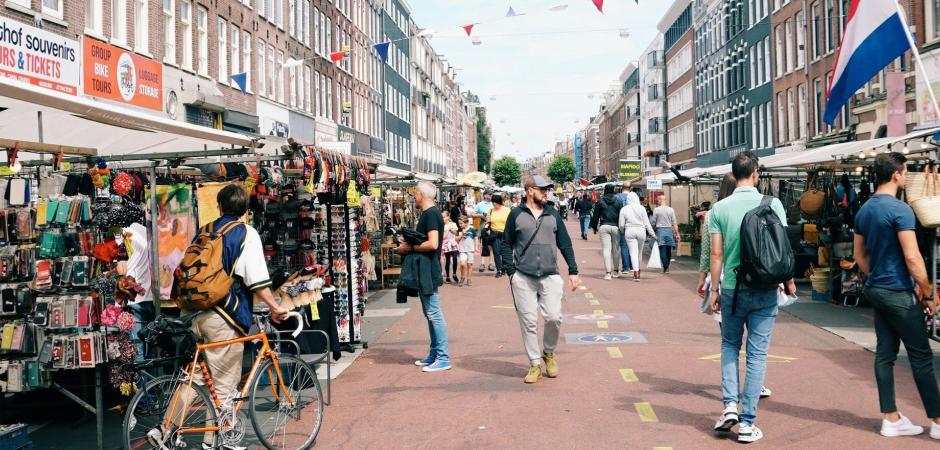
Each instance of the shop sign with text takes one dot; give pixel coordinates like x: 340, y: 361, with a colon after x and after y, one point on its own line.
x: 116, y: 74
x: 630, y: 169
x: 40, y: 58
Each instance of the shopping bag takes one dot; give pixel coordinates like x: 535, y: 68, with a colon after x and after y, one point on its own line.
x: 654, y: 261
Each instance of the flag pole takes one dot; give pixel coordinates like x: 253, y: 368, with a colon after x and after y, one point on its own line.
x: 918, y: 61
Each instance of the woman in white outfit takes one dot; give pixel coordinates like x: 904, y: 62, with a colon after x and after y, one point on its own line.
x: 635, y: 227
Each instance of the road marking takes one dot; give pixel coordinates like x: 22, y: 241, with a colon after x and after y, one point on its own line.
x: 602, y: 324
x: 504, y: 306
x: 628, y: 376
x: 645, y: 410
x: 614, y: 352
x: 582, y: 287
x: 770, y: 358
x: 588, y: 295
x: 662, y: 448
x: 598, y: 312
x: 595, y: 303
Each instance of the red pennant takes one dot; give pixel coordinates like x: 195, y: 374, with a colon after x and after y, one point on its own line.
x: 468, y: 28
x: 600, y: 5
x: 336, y: 56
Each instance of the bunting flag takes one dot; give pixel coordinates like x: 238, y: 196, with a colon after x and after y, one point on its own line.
x: 468, y: 28
x: 511, y: 12
x: 337, y: 56
x: 382, y: 50
x: 241, y: 79
x: 600, y: 5
x: 558, y: 8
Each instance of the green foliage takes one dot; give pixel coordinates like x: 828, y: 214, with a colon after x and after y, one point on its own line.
x: 484, y: 151
x: 561, y: 170
x: 507, y: 171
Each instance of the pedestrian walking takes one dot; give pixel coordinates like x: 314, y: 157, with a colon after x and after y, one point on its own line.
x: 466, y: 245
x: 454, y: 210
x: 480, y: 212
x: 497, y: 221
x: 667, y: 230
x: 625, y: 189
x: 583, y: 209
x: 635, y: 227
x: 886, y: 250
x: 451, y: 252
x: 755, y: 307
x: 431, y: 224
x: 534, y: 235
x: 605, y: 222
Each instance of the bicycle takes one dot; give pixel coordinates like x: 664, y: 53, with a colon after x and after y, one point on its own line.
x: 281, y: 388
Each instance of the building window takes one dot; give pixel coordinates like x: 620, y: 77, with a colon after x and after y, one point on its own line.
x: 246, y: 58
x: 236, y: 51
x: 819, y: 93
x: 54, y: 8
x: 92, y: 16
x: 767, y: 59
x: 781, y: 118
x: 306, y: 23
x: 780, y: 53
x: 169, y: 31
x: 118, y: 21
x: 186, y: 29
x: 307, y: 81
x: 141, y: 26
x: 292, y: 17
x: 817, y: 31
x: 280, y: 76
x: 318, y: 107
x: 260, y: 6
x: 788, y: 26
x: 270, y: 73
x: 202, y: 30
x: 791, y: 110
x: 222, y: 36
x: 932, y: 15
x: 262, y: 74
x: 292, y: 82
x: 800, y: 40
x: 801, y: 112
x: 833, y: 25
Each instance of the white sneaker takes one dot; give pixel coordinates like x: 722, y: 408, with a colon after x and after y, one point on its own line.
x: 903, y: 427
x: 748, y: 433
x: 934, y: 430
x: 616, y: 275
x: 764, y: 392
x: 728, y: 419
x: 607, y: 277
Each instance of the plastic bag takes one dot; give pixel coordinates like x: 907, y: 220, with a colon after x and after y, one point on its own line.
x: 654, y: 261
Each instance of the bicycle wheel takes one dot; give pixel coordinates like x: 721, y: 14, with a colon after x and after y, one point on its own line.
x: 148, y: 408
x: 286, y: 410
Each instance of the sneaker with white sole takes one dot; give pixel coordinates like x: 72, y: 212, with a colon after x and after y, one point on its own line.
x: 425, y: 362
x: 764, y: 392
x: 728, y: 419
x: 607, y: 277
x: 903, y: 427
x: 934, y: 430
x: 616, y: 275
x: 437, y: 366
x: 748, y: 433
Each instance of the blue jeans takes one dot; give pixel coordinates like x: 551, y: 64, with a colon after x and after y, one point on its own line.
x: 756, y: 310
x: 431, y: 304
x: 585, y: 223
x: 624, y: 254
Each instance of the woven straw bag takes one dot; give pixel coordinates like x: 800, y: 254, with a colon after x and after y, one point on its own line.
x: 923, y: 194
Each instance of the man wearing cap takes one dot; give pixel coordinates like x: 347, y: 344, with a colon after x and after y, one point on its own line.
x: 479, y: 213
x: 533, y: 236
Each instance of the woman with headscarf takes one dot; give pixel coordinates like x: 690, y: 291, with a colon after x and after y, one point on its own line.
x: 635, y: 227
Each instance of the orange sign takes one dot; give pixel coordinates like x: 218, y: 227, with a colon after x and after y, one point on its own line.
x: 116, y: 74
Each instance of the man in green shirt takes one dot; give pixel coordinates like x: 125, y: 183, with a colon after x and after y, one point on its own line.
x: 756, y: 308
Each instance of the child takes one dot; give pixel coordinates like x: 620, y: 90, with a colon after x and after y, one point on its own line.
x: 450, y: 250
x: 467, y: 247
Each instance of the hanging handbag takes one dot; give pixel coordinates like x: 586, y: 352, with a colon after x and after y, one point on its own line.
x: 813, y: 201
x: 924, y: 197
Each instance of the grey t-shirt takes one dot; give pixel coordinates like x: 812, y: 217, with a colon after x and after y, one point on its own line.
x: 664, y: 217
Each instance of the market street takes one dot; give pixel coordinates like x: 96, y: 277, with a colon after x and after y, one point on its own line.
x: 639, y: 370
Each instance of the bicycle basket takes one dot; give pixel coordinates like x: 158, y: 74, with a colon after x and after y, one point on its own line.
x: 170, y: 335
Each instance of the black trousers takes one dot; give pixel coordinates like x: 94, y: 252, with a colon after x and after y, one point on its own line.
x: 450, y: 264
x: 898, y: 318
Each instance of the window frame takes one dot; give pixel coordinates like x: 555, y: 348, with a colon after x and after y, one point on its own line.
x: 169, y: 29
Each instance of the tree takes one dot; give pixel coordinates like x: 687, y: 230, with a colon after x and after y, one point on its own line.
x: 561, y: 170
x: 507, y: 171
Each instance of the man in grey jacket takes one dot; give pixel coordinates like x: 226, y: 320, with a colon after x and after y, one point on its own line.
x: 534, y: 235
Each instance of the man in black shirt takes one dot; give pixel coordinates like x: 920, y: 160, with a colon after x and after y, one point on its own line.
x: 431, y: 223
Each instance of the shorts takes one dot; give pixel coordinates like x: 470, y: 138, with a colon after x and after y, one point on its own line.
x: 467, y: 257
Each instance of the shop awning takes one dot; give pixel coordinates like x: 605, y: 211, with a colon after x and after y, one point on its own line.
x: 85, y: 122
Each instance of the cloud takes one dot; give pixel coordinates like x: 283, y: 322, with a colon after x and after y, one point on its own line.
x: 541, y: 66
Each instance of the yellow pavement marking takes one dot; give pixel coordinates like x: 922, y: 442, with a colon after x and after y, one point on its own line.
x: 588, y: 295
x: 645, y: 410
x: 629, y: 376
x: 614, y: 352
x: 598, y: 312
x: 601, y: 324
x: 662, y: 448
x: 770, y: 358
x: 582, y: 287
x: 504, y: 306
x: 595, y: 303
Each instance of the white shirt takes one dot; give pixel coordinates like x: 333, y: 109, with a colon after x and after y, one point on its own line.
x: 138, y: 264
x: 251, y: 266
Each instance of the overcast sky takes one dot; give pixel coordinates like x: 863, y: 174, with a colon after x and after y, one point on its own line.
x: 535, y: 73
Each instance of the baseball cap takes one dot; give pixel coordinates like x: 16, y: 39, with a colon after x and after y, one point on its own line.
x: 539, y: 182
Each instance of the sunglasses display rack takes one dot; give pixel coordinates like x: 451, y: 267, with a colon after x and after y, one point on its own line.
x: 346, y: 257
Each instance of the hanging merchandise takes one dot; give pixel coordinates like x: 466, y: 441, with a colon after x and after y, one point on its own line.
x: 813, y: 201
x: 923, y: 194
x: 206, y: 194
x: 176, y: 227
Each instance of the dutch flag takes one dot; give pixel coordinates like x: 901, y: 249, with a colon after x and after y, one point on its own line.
x: 875, y: 35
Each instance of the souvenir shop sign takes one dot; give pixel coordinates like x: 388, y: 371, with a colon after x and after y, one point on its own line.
x: 116, y: 74
x: 630, y: 169
x: 40, y: 58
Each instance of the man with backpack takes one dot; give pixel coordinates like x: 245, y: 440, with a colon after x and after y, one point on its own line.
x: 740, y: 225
x: 886, y: 250
x: 533, y: 237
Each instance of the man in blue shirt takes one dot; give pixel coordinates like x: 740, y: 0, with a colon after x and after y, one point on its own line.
x: 886, y: 250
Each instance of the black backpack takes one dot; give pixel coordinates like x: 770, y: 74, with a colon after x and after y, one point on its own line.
x: 766, y: 256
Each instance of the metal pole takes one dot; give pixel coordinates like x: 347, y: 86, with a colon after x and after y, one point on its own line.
x: 99, y: 407
x: 154, y: 243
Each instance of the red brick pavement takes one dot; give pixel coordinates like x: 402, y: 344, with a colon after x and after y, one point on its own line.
x: 824, y: 392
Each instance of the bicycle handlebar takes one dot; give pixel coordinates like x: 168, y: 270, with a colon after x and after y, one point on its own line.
x: 300, y: 323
